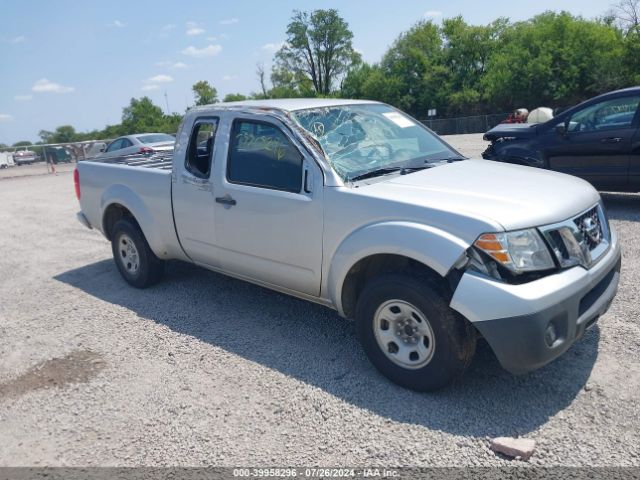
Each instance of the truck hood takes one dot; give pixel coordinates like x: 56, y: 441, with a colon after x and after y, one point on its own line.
x: 515, y: 130
x: 512, y: 196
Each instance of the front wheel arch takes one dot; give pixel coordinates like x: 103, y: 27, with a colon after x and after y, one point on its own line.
x: 410, y: 243
x: 374, y: 265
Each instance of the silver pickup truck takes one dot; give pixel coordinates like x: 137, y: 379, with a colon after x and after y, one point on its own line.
x: 356, y: 206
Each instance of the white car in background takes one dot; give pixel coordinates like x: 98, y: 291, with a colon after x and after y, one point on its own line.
x: 94, y: 149
x: 6, y: 159
x: 25, y: 157
x: 145, y: 143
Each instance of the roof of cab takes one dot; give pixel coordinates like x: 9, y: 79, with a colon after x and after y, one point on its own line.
x: 288, y: 104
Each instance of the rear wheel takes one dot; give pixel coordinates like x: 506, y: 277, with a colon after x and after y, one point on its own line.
x: 135, y: 260
x: 410, y: 333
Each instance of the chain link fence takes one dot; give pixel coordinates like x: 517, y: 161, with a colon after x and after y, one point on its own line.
x: 462, y: 125
x: 46, y: 158
x: 53, y: 158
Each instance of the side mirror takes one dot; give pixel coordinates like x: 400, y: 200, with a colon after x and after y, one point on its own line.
x: 102, y: 149
x: 561, y: 129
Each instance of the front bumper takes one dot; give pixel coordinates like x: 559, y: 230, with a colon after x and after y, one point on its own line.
x: 489, y: 153
x: 514, y: 318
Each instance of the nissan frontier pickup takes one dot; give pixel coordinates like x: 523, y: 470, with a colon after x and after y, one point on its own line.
x: 357, y: 206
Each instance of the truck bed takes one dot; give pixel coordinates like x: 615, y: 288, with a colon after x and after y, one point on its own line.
x: 160, y: 160
x: 138, y: 183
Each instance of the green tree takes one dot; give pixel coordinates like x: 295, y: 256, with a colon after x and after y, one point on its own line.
x: 170, y: 123
x: 141, y: 115
x: 22, y: 143
x: 319, y: 48
x: 466, y: 54
x: 632, y: 56
x: 234, y: 97
x: 62, y: 134
x: 204, y: 93
x: 288, y: 84
x: 554, y: 59
x: 111, y: 131
x: 354, y: 82
x: 411, y: 74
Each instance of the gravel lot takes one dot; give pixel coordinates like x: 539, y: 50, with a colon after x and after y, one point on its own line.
x: 39, y: 168
x: 206, y: 370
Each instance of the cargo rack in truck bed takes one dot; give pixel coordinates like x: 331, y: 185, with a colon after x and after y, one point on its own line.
x: 160, y: 160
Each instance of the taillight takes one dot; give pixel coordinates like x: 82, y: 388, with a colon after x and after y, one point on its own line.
x: 76, y: 182
x: 146, y: 150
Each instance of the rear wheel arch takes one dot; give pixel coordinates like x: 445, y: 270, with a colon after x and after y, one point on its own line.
x: 112, y: 214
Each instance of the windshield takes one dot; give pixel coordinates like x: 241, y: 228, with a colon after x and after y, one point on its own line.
x: 359, y: 139
x: 156, y: 138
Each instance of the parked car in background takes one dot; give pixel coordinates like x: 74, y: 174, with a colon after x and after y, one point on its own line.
x: 598, y: 141
x: 59, y: 155
x: 6, y: 159
x: 25, y: 157
x: 94, y: 149
x: 354, y: 205
x: 145, y: 143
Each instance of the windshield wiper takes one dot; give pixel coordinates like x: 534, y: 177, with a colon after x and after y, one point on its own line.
x: 456, y: 158
x: 386, y: 170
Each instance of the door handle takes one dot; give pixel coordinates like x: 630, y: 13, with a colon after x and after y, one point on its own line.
x: 226, y: 200
x: 611, y: 140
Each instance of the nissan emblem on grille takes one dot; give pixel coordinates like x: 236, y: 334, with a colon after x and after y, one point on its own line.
x: 589, y: 225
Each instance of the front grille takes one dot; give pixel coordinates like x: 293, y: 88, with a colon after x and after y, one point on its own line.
x: 583, y: 240
x: 590, y: 227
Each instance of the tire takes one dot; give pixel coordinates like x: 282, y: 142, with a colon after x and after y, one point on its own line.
x: 135, y: 260
x: 418, y: 318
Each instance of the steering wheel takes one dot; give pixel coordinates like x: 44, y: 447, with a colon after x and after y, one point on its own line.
x: 588, y: 125
x: 377, y: 147
x: 404, y: 154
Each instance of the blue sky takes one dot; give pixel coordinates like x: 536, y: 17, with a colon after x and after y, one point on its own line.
x: 80, y: 63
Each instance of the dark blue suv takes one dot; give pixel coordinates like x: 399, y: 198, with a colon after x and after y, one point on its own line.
x: 598, y: 140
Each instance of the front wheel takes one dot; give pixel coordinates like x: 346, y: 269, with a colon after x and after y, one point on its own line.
x: 410, y: 333
x: 135, y: 260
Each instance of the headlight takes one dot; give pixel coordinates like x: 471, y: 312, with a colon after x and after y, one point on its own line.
x: 519, y: 251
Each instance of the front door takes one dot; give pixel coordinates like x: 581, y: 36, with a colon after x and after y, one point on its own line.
x: 268, y: 214
x: 597, y: 143
x: 192, y: 194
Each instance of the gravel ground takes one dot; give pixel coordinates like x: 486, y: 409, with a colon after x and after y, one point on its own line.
x: 471, y: 145
x: 206, y: 370
x: 39, y: 168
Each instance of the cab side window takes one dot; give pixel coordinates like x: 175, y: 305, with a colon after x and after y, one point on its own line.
x: 115, y: 145
x: 607, y: 115
x: 200, y: 151
x: 261, y: 155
